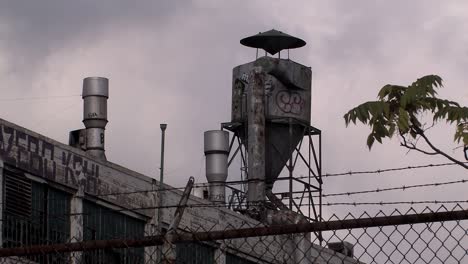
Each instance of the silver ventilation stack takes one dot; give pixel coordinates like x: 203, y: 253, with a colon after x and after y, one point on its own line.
x: 216, y: 154
x: 95, y: 95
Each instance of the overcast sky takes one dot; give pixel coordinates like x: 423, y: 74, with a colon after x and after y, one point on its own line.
x: 171, y: 62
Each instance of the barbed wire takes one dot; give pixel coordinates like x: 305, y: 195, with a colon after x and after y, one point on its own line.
x: 349, y: 173
x: 196, y: 185
x: 300, y: 177
x: 38, y: 98
x: 224, y: 205
x: 397, y: 203
x: 403, y: 188
x: 378, y: 190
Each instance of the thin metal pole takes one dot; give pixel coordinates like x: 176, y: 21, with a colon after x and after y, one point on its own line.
x: 310, y: 154
x: 320, y: 185
x: 290, y: 166
x: 161, y: 175
x: 161, y: 193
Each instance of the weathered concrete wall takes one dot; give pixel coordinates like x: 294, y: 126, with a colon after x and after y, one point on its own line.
x: 62, y: 164
x: 287, y: 89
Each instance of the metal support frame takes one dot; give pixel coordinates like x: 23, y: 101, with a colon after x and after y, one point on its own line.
x: 303, y: 196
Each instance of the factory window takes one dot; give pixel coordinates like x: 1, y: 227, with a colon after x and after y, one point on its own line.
x: 233, y: 259
x: 34, y: 213
x: 100, y: 222
x: 194, y: 253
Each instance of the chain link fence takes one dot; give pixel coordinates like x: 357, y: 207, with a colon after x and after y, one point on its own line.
x: 424, y: 236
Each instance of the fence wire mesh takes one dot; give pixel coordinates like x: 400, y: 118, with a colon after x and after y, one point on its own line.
x: 413, y: 236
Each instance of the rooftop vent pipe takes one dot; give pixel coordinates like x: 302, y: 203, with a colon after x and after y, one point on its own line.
x: 95, y: 95
x: 216, y: 153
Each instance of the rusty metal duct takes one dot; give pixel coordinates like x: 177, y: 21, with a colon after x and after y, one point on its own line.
x: 216, y: 155
x: 271, y: 104
x: 95, y: 95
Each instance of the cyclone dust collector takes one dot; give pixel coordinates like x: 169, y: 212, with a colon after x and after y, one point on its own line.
x: 270, y: 117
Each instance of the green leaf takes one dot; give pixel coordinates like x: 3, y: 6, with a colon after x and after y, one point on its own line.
x: 399, y: 109
x: 403, y: 121
x: 346, y: 118
x: 370, y: 141
x: 391, y: 129
x: 379, y: 139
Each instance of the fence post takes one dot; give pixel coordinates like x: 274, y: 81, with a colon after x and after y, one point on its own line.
x: 1, y: 203
x: 168, y: 249
x: 220, y: 254
x: 152, y: 253
x: 76, y: 218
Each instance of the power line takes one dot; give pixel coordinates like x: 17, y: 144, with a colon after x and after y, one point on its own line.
x: 57, y: 114
x: 38, y: 98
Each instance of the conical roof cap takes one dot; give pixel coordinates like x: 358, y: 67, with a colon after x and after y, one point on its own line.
x: 273, y: 41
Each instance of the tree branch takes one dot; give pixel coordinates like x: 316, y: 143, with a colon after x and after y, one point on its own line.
x: 412, y: 146
x: 421, y: 133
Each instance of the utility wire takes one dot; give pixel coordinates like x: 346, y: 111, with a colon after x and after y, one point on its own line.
x: 57, y: 114
x: 38, y: 98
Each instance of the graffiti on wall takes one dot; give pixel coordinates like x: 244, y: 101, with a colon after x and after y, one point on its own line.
x: 290, y: 102
x: 44, y: 160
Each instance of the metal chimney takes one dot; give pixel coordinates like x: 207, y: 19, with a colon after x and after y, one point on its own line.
x: 95, y: 95
x: 216, y: 154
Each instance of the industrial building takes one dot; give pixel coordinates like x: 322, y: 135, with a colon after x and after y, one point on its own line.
x: 57, y: 193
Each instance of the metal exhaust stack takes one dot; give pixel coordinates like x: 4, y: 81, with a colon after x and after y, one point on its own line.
x: 256, y: 137
x: 216, y: 154
x: 95, y: 95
